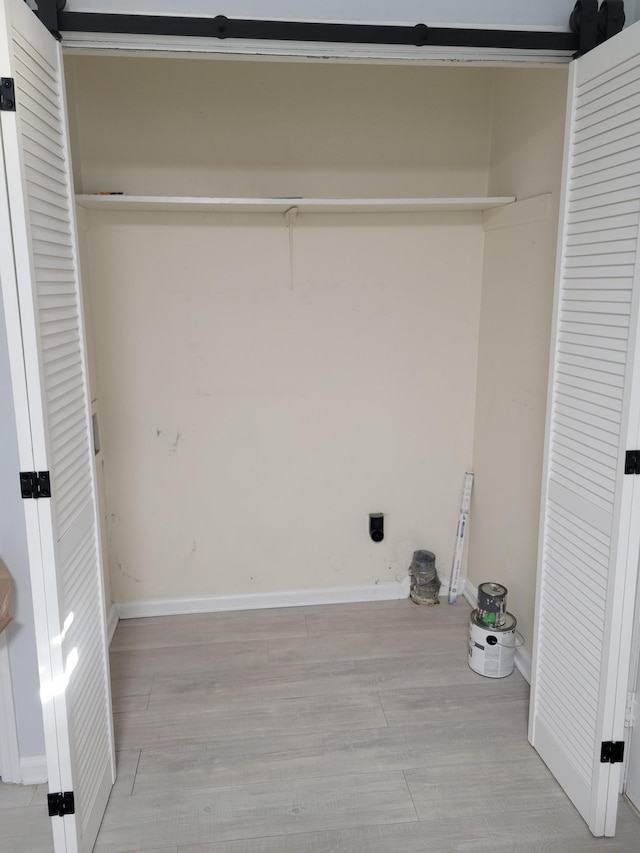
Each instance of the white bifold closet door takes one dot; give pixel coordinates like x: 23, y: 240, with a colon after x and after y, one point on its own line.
x: 590, y: 524
x: 43, y: 307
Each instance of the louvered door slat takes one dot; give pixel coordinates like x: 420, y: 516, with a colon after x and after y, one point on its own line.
x: 613, y: 244
x: 622, y: 256
x: 612, y: 107
x: 602, y: 172
x: 588, y: 556
x: 588, y: 188
x: 48, y: 203
x: 580, y: 384
x: 601, y: 162
x: 607, y: 204
x: 593, y: 132
x: 604, y: 155
x: 598, y: 445
x: 606, y: 82
x: 598, y: 228
x: 565, y: 336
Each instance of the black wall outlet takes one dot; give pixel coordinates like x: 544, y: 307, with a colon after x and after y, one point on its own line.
x: 376, y: 526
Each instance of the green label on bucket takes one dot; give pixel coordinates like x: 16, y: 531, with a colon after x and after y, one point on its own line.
x: 487, y: 618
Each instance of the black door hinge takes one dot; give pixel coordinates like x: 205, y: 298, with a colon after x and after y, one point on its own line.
x: 7, y: 94
x: 35, y: 484
x: 632, y: 462
x: 612, y: 752
x: 61, y: 804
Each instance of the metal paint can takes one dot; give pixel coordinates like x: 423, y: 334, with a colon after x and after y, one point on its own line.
x: 492, y: 603
x: 492, y: 649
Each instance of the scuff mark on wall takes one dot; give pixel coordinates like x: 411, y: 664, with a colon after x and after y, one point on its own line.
x: 127, y: 575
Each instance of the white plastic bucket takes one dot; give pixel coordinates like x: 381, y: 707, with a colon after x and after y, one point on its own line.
x: 492, y: 648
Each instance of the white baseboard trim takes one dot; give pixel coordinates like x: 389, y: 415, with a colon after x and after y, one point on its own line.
x: 33, y: 770
x: 264, y: 600
x: 470, y: 592
x: 522, y: 660
x: 9, y: 750
x: 112, y: 622
x: 445, y: 584
x: 522, y: 656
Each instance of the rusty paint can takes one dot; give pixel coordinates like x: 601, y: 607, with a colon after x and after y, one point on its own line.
x: 492, y: 604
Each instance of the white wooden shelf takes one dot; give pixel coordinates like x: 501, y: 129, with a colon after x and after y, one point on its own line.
x: 281, y: 205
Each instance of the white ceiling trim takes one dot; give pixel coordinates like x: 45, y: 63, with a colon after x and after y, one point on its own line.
x: 298, y: 51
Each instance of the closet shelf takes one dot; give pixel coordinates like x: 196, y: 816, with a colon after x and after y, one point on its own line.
x: 281, y: 205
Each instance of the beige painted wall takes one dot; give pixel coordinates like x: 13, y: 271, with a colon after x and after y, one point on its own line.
x: 515, y: 324
x: 249, y: 426
x: 210, y: 127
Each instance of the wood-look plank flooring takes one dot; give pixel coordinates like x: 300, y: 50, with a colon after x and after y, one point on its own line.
x: 335, y: 729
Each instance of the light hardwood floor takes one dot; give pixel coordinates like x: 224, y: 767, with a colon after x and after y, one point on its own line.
x: 336, y: 729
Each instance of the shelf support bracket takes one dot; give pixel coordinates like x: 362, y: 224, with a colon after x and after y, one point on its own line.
x: 290, y: 220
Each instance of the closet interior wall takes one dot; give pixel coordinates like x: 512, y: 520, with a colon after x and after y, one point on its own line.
x: 528, y: 112
x: 263, y: 388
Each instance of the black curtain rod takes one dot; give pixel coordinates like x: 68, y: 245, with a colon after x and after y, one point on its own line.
x: 222, y: 27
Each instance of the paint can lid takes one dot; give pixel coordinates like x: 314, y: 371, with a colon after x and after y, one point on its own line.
x: 493, y: 589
